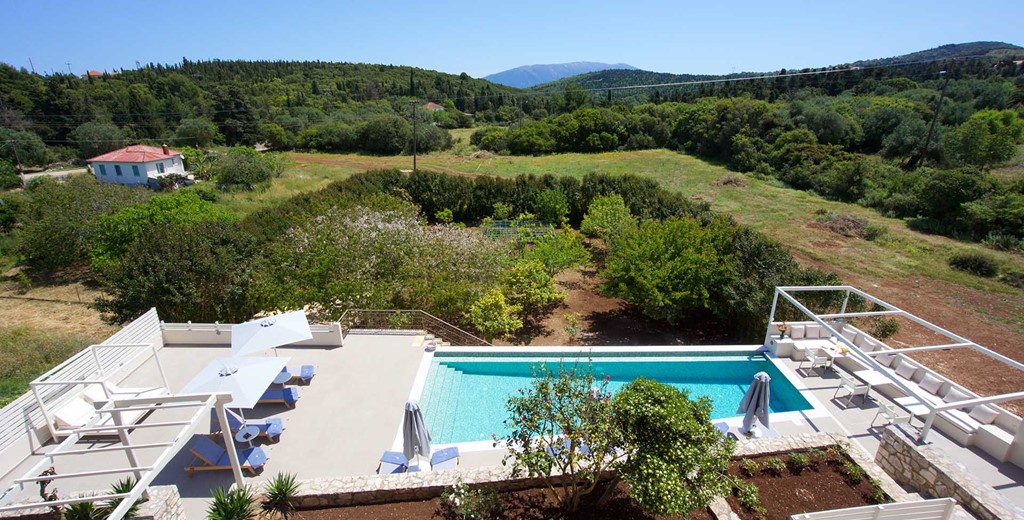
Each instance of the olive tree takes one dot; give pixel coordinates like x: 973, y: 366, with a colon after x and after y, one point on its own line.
x: 562, y: 431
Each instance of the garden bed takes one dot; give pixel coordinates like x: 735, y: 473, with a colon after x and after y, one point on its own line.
x: 829, y: 481
x: 529, y: 504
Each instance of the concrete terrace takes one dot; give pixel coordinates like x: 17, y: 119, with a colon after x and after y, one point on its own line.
x: 353, y: 409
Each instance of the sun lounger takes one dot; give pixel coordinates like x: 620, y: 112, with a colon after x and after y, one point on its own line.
x: 447, y: 458
x: 287, y: 396
x: 302, y: 376
x: 77, y: 411
x: 269, y: 429
x: 210, y: 456
x: 392, y: 462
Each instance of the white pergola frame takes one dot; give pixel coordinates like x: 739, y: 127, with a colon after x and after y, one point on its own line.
x: 144, y: 475
x: 868, y: 358
x: 53, y: 377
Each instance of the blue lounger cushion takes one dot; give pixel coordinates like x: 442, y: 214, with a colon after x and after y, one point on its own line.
x: 269, y: 428
x: 214, y: 457
x: 392, y: 462
x: 288, y: 395
x: 447, y: 458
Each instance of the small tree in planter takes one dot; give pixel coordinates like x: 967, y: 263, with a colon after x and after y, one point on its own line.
x: 677, y: 460
x: 563, y: 425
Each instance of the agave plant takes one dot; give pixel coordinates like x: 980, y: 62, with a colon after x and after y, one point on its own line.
x: 237, y: 504
x: 280, y: 494
x: 121, y: 487
x: 83, y: 511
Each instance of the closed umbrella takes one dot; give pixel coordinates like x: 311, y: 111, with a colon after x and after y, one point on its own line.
x: 415, y: 435
x: 270, y: 332
x: 755, y: 402
x: 244, y: 378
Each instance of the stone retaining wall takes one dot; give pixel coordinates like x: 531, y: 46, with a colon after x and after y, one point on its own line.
x: 928, y: 470
x: 164, y: 504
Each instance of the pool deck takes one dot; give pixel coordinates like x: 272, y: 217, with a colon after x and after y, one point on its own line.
x: 353, y: 409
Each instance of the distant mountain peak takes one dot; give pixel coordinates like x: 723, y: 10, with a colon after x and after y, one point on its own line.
x: 530, y: 75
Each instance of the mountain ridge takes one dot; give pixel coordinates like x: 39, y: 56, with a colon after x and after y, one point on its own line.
x: 529, y: 75
x: 617, y: 78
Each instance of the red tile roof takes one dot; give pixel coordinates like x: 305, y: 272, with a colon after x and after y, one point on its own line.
x: 138, y: 153
x: 430, y: 105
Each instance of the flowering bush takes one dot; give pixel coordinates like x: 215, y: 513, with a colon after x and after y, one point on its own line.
x: 361, y: 258
x: 464, y: 503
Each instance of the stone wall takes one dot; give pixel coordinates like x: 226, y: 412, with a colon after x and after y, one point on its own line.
x: 930, y: 472
x: 164, y: 504
x: 371, y: 489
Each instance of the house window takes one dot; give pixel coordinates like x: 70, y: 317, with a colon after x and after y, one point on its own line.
x: 135, y: 170
x: 117, y: 169
x: 103, y: 169
x: 160, y: 167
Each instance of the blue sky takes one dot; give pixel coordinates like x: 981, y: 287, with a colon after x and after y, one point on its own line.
x: 481, y: 38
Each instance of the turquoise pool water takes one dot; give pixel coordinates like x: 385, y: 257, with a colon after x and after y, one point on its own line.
x: 464, y: 396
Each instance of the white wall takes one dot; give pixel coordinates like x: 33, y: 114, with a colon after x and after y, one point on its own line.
x: 146, y: 170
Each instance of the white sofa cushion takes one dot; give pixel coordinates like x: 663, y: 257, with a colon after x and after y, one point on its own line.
x: 885, y: 359
x: 850, y: 335
x: 962, y: 420
x: 955, y: 394
x: 796, y: 331
x: 73, y: 414
x: 930, y: 384
x: 905, y: 370
x: 811, y: 331
x: 984, y: 414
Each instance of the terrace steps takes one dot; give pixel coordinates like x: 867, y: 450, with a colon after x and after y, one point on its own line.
x: 441, y: 392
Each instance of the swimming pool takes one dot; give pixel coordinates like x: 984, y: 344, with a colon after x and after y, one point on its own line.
x: 464, y: 395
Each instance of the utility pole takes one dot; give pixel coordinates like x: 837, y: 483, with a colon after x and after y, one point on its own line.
x: 32, y: 65
x: 68, y: 63
x: 935, y: 117
x: 412, y: 91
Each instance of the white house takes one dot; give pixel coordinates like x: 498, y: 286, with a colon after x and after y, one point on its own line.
x: 137, y: 164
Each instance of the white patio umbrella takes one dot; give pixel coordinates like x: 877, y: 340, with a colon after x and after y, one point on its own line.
x: 244, y: 378
x: 755, y: 402
x: 270, y: 332
x: 415, y: 435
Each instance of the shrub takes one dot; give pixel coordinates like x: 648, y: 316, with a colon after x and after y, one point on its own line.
x: 572, y: 326
x: 1004, y: 242
x: 502, y: 211
x: 494, y: 317
x: 121, y: 487
x: 774, y: 465
x: 853, y: 473
x: 878, y: 495
x: 975, y: 263
x: 83, y: 511
x: 237, y: 504
x: 552, y: 206
x: 528, y: 285
x: 559, y: 251
x: 444, y: 216
x: 670, y: 268
x: 750, y: 467
x: 386, y: 134
x: 798, y: 462
x: 678, y: 461
x: 817, y: 454
x: 280, y: 494
x: 885, y: 328
x: 244, y: 167
x: 465, y: 503
x: 748, y: 496
x: 874, y: 232
x: 607, y: 217
x: 1013, y: 279
x: 9, y: 178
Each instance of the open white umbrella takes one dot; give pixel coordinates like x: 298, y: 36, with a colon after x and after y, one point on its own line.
x: 244, y: 378
x: 270, y: 332
x: 415, y: 435
x: 755, y: 402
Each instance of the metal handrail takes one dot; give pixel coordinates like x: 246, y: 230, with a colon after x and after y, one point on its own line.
x: 415, y: 319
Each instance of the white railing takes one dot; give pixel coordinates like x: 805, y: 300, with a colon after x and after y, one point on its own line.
x: 24, y: 414
x: 937, y: 509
